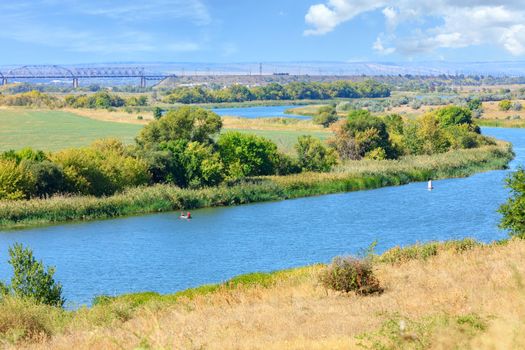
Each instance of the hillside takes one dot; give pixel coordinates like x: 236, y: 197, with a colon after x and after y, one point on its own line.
x: 457, y: 295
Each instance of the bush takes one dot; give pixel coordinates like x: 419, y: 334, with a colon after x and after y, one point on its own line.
x: 23, y: 319
x: 247, y: 155
x: 347, y: 274
x: 15, y: 182
x: 313, y: 155
x: 31, y: 280
x: 505, y: 105
x: 326, y: 116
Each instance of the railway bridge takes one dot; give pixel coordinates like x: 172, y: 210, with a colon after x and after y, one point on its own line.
x: 75, y: 74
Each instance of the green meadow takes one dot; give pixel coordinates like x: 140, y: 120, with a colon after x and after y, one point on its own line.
x: 51, y: 130
x: 55, y: 130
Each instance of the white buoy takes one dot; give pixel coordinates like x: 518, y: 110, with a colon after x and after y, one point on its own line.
x: 429, y: 185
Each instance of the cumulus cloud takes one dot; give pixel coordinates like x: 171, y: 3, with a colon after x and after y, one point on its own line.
x: 416, y: 26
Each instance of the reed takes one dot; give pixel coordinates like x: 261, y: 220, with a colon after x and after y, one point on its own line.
x: 352, y: 176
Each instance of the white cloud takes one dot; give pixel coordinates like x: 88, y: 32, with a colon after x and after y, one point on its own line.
x: 325, y: 17
x: 415, y: 26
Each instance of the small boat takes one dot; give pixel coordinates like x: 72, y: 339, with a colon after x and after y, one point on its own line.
x: 186, y: 216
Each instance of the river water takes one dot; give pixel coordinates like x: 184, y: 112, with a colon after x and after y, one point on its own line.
x: 161, y: 253
x: 259, y: 112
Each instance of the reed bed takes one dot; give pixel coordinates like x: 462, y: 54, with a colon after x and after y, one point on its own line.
x: 352, y: 176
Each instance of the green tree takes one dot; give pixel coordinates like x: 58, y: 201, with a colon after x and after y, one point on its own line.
x: 453, y: 115
x: 313, y: 155
x: 185, y: 123
x: 514, y: 210
x: 157, y: 113
x: 190, y: 164
x: 247, y: 155
x: 31, y: 279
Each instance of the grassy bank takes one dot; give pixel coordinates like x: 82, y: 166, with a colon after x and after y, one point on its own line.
x: 358, y: 175
x: 458, y: 294
x: 501, y: 123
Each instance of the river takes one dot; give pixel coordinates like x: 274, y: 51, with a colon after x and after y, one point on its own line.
x: 259, y: 112
x: 161, y: 253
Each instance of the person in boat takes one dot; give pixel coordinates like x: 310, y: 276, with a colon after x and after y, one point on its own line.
x: 429, y: 185
x: 188, y: 215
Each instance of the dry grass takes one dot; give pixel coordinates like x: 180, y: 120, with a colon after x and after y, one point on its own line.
x: 118, y: 116
x: 276, y: 124
x: 472, y: 300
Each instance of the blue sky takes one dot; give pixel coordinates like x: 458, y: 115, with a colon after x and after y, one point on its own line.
x: 81, y: 31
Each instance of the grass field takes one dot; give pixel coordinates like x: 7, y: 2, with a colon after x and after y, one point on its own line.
x: 456, y: 295
x: 54, y: 130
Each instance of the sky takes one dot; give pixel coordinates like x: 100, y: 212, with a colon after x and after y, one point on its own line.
x: 81, y: 31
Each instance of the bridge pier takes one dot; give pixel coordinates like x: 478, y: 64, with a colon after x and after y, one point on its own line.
x: 142, y: 82
x: 75, y: 83
x: 4, y: 81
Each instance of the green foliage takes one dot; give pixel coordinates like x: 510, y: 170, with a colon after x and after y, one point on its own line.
x: 505, y: 105
x: 103, y: 99
x: 247, y: 155
x: 474, y: 104
x: 101, y: 169
x: 275, y: 91
x: 157, y: 113
x: 313, y: 155
x: 190, y: 164
x: 514, y: 209
x: 15, y: 182
x: 399, y: 255
x: 326, y: 116
x: 49, y: 178
x: 185, y: 123
x: 31, y: 279
x: 350, y: 275
x: 453, y: 115
x: 361, y: 134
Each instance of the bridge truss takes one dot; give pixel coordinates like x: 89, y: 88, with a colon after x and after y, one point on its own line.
x: 74, y: 74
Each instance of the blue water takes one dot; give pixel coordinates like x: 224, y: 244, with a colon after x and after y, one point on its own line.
x: 258, y: 112
x: 164, y: 254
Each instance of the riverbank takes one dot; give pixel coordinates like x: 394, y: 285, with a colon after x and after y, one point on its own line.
x: 353, y: 176
x: 472, y: 299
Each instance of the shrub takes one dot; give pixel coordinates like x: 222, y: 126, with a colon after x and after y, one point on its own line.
x: 313, y: 155
x: 23, y: 319
x: 15, y: 182
x: 347, y: 274
x: 505, y: 105
x: 247, y: 155
x: 31, y: 280
x: 326, y: 116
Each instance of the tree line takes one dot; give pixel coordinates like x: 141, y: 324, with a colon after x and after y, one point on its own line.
x: 101, y: 99
x: 275, y: 91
